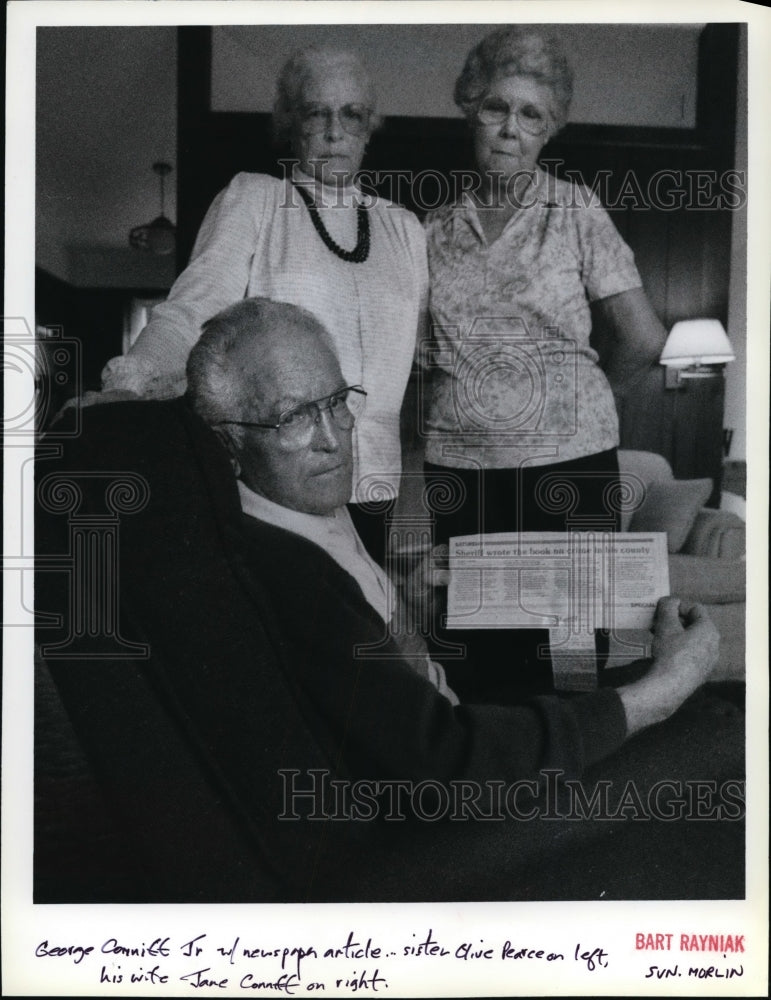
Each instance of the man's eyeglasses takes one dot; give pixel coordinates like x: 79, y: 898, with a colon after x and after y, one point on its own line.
x: 530, y: 118
x: 316, y: 118
x: 296, y: 426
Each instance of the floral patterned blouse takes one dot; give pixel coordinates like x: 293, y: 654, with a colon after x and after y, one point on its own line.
x: 510, y: 376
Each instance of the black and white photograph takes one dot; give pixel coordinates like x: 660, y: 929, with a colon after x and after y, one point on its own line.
x: 386, y: 499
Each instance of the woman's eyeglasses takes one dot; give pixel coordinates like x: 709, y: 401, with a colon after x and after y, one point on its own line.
x: 530, y: 118
x: 296, y: 426
x: 316, y: 118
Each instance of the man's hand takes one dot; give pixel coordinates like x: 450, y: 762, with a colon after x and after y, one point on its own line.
x: 417, y: 602
x: 404, y: 629
x: 424, y: 591
x: 686, y: 632
x: 685, y: 652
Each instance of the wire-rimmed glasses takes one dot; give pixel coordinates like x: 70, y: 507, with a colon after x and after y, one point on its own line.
x: 296, y: 425
x: 316, y: 118
x: 530, y: 117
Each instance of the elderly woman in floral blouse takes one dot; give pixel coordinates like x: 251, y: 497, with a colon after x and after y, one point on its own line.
x: 521, y: 420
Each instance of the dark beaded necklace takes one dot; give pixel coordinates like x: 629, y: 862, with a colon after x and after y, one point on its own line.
x: 361, y: 251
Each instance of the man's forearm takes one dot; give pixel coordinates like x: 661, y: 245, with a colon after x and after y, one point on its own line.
x: 645, y: 704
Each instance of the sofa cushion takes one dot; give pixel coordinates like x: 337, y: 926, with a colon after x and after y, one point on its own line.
x: 709, y: 581
x: 671, y: 506
x: 637, y: 469
x: 646, y: 465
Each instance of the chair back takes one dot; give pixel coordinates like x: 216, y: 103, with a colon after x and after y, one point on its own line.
x: 165, y: 661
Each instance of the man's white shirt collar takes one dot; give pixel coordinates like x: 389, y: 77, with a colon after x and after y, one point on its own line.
x: 337, y: 536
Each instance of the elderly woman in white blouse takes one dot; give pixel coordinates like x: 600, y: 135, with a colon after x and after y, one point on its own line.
x: 521, y: 418
x: 314, y: 240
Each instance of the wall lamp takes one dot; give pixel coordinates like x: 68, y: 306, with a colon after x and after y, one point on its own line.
x: 695, y: 348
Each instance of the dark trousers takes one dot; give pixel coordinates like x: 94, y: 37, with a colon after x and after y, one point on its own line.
x: 507, y: 665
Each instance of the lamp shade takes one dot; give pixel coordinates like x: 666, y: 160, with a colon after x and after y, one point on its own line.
x: 160, y: 235
x: 697, y: 342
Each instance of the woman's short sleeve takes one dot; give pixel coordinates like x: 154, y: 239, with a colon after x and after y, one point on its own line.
x: 607, y: 263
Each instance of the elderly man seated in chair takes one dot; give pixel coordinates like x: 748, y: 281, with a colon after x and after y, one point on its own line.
x: 265, y: 377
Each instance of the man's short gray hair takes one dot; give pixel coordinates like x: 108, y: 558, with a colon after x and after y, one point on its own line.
x: 216, y: 388
x: 315, y: 60
x: 516, y: 51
